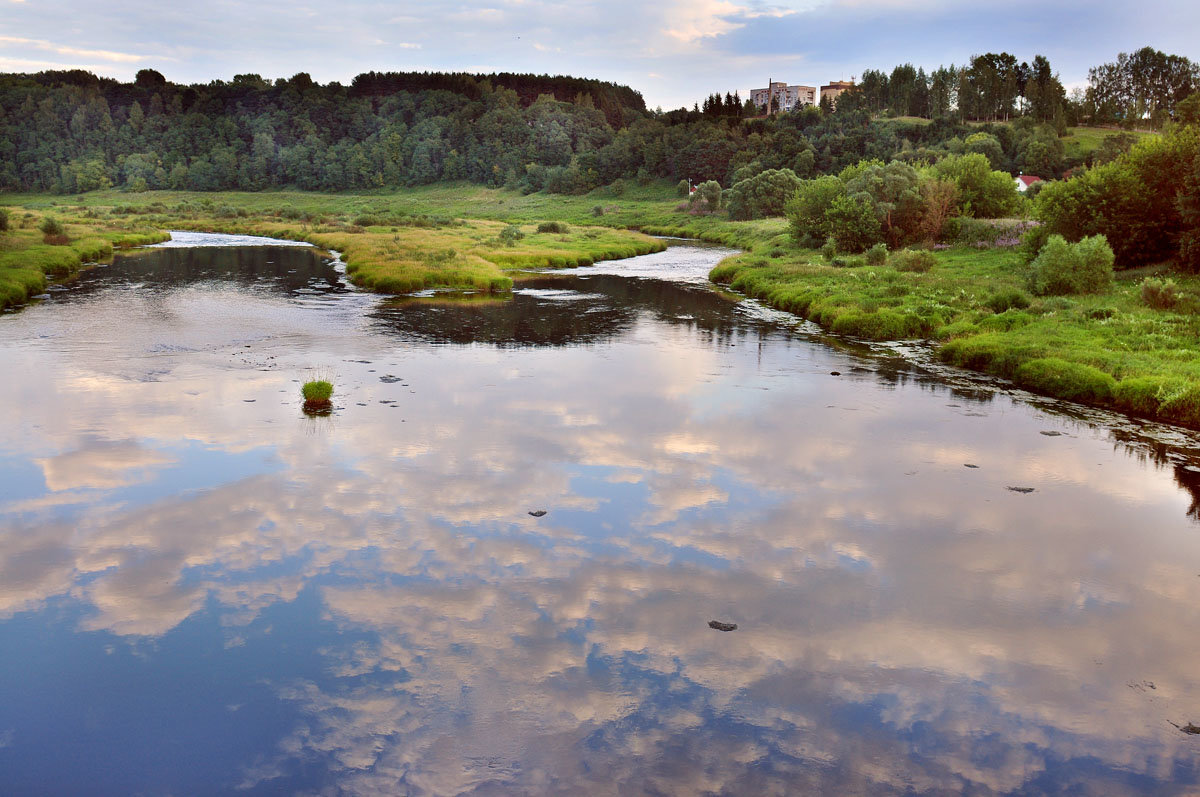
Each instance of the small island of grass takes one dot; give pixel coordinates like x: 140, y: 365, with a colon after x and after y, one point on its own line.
x: 317, y: 395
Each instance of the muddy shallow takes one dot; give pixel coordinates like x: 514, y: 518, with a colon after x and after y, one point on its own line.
x: 202, y: 590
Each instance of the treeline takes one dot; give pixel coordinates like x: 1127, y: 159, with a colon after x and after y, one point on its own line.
x: 992, y: 87
x: 72, y: 131
x: 1141, y: 89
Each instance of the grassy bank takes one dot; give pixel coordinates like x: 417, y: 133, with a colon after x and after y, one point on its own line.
x: 1109, y: 350
x: 26, y: 260
x: 392, y: 243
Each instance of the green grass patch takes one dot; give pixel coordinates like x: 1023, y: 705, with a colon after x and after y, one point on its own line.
x: 318, y: 390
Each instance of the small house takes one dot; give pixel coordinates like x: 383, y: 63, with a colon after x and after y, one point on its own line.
x: 1026, y: 180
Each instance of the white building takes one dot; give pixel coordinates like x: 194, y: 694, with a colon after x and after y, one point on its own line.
x: 783, y: 97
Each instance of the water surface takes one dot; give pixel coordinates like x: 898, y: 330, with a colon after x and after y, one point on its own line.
x: 202, y: 590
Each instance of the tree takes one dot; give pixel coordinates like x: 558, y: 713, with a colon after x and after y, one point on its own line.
x: 985, y: 193
x: 805, y: 211
x: 852, y: 224
x: 764, y: 194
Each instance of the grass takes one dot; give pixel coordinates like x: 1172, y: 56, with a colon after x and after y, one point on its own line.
x: 317, y: 391
x: 1079, y: 142
x: 26, y: 261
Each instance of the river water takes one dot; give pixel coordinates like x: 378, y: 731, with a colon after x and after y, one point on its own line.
x: 203, y: 590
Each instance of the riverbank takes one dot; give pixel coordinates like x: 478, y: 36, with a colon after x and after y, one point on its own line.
x: 1110, y: 350
x: 388, y: 246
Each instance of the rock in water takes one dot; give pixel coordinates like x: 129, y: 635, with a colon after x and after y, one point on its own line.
x: 538, y: 512
x: 1021, y: 489
x: 719, y: 626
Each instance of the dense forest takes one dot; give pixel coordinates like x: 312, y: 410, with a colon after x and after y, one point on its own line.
x: 72, y: 131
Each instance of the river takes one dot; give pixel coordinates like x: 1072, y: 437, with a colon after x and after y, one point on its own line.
x: 940, y: 585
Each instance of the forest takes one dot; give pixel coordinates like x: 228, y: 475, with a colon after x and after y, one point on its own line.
x: 72, y: 131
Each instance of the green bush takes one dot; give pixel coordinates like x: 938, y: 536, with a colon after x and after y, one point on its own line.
x: 765, y: 194
x: 598, y: 210
x: 682, y: 188
x: 877, y: 255
x: 1003, y: 300
x: 707, y: 198
x: 1033, y: 240
x: 1160, y: 294
x: 554, y: 227
x: 3, y: 220
x: 829, y: 249
x: 510, y: 235
x: 318, y: 390
x: 916, y: 260
x: 852, y: 224
x: 51, y: 226
x: 1067, y: 380
x: 806, y: 210
x: 1063, y: 268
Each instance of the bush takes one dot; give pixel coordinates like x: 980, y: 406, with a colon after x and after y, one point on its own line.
x: 53, y: 232
x: 682, y: 188
x: 510, y: 235
x: 1067, y: 380
x: 764, y: 194
x: 1160, y: 294
x: 598, y: 210
x: 853, y: 224
x: 318, y: 390
x: 1033, y: 240
x: 916, y: 260
x: 1063, y: 268
x: 707, y: 198
x: 877, y: 255
x: 1005, y: 300
x: 806, y: 210
x: 3, y: 220
x: 985, y: 193
x: 829, y: 249
x: 554, y: 227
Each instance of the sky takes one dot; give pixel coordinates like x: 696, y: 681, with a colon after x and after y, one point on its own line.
x: 675, y: 52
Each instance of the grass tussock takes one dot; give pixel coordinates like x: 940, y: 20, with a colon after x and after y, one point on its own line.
x: 317, y: 391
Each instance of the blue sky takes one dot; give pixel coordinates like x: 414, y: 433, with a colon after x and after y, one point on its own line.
x: 674, y: 52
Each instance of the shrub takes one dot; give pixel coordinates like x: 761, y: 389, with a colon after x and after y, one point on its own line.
x: 852, y: 223
x: 764, y: 194
x: 707, y: 198
x: 682, y: 188
x: 1033, y: 240
x: 510, y: 235
x: 1003, y: 300
x: 554, y: 227
x: 1063, y: 268
x: 598, y: 210
x: 52, y: 228
x: 1062, y: 379
x: 318, y: 390
x: 916, y: 260
x: 3, y: 220
x: 829, y: 249
x: 877, y: 255
x: 1160, y: 294
x: 806, y: 210
x: 985, y: 193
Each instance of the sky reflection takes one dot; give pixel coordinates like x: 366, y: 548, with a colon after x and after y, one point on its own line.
x: 207, y: 591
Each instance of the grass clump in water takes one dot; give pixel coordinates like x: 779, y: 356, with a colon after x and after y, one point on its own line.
x: 317, y: 394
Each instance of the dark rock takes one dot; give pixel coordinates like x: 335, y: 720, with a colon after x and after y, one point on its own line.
x: 835, y: 373
x: 389, y: 379
x: 1051, y: 434
x: 1189, y: 728
x: 1021, y: 489
x: 719, y: 626
x: 969, y: 465
x: 538, y: 512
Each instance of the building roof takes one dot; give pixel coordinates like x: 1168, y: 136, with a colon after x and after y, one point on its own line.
x: 1029, y: 179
